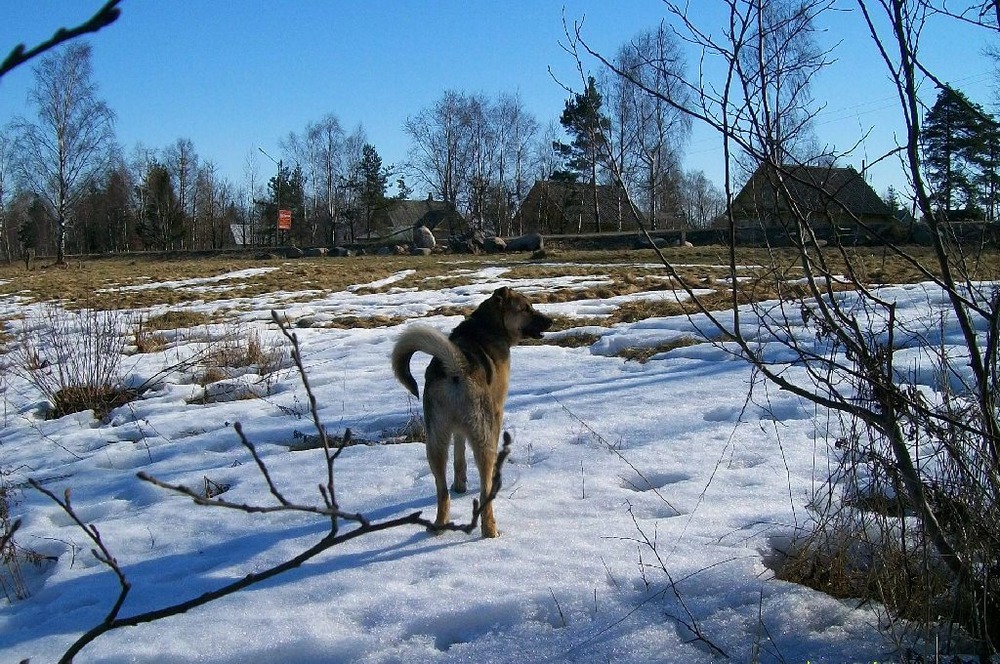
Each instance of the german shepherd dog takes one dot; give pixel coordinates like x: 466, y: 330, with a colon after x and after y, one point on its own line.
x: 465, y: 388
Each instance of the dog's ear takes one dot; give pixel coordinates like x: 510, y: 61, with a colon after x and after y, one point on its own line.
x: 503, y: 293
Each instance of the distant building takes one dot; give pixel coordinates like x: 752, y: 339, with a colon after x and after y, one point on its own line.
x: 400, y: 217
x: 554, y: 208
x: 836, y: 203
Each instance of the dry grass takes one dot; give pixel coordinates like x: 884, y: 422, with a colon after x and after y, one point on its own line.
x: 238, y: 351
x: 645, y: 353
x: 112, y: 283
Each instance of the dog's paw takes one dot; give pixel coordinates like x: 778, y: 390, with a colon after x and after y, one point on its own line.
x: 459, y: 487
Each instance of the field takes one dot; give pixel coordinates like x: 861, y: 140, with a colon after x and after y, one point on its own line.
x: 652, y: 484
x: 140, y: 281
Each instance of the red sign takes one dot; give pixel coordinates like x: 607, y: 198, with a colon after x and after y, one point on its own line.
x: 284, y: 220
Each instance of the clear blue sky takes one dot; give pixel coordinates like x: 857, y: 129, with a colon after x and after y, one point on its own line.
x: 235, y: 76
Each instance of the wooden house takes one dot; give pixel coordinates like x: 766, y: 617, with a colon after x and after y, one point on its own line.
x: 558, y: 208
x: 836, y: 203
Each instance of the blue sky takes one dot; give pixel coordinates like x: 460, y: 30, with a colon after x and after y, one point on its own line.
x: 235, y: 76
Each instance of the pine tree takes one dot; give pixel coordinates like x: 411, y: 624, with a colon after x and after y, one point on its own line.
x: 584, y: 122
x: 956, y: 145
x: 370, y: 179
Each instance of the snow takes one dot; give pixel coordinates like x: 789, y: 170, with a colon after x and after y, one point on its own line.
x: 611, y: 460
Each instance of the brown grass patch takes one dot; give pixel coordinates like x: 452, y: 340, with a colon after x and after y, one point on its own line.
x: 579, y: 340
x: 363, y: 322
x: 104, y: 283
x: 99, y: 398
x: 643, y: 354
x: 177, y: 319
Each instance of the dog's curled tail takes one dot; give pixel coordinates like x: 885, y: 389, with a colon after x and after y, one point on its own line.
x: 428, y: 340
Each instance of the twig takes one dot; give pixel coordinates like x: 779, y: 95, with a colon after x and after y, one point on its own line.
x: 101, y: 553
x: 8, y: 537
x: 617, y: 453
x: 104, y: 17
x: 328, y: 509
x: 562, y: 616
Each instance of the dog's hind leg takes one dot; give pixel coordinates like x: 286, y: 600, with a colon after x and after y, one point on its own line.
x: 437, y: 459
x: 461, y: 483
x: 485, y: 452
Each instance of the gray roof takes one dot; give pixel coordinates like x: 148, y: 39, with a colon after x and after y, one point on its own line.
x: 815, y: 189
x: 405, y: 214
x: 571, y: 204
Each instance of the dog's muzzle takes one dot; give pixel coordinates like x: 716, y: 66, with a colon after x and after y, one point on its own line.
x: 539, y: 323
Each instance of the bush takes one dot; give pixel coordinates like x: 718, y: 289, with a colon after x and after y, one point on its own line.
x: 74, y: 358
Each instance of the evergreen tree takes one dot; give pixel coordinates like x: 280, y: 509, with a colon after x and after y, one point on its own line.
x: 956, y: 146
x: 583, y: 121
x: 370, y: 179
x: 161, y: 225
x: 287, y: 189
x: 989, y: 165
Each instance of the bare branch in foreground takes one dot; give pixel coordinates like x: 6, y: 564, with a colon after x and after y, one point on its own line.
x: 104, y: 17
x: 328, y: 509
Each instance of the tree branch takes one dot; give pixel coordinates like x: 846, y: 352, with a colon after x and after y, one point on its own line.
x: 104, y: 17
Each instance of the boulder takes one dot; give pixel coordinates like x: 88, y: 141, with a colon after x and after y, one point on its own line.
x: 528, y: 242
x: 423, y: 238
x: 494, y: 245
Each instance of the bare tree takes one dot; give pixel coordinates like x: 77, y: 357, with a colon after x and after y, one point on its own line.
x: 649, y: 131
x: 71, y: 143
x: 438, y: 154
x: 6, y: 193
x: 703, y: 202
x: 932, y: 454
x: 182, y: 162
x: 516, y: 133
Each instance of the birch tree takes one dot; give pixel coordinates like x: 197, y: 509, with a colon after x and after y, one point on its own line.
x: 71, y: 142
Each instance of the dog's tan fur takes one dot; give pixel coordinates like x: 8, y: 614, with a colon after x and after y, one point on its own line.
x: 465, y: 388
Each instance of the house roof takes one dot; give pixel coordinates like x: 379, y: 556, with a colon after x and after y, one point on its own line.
x: 575, y: 203
x: 405, y: 214
x: 818, y: 189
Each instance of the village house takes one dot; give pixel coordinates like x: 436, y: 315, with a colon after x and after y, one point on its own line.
x: 559, y: 208
x: 836, y: 203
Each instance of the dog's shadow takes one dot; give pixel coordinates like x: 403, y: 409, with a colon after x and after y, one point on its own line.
x: 421, y: 540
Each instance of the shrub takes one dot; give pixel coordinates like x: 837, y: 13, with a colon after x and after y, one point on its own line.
x: 74, y: 358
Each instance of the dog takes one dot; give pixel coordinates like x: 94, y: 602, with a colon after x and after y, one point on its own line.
x: 465, y: 388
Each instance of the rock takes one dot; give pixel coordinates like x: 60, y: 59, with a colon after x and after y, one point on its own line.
x: 294, y: 252
x: 494, y: 245
x: 315, y: 252
x: 423, y: 238
x: 420, y: 251
x: 528, y: 242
